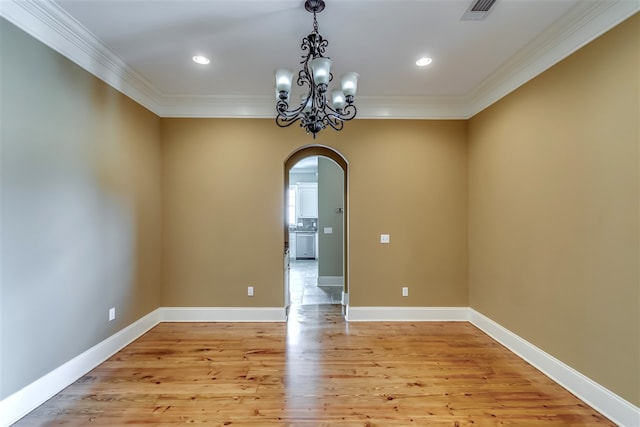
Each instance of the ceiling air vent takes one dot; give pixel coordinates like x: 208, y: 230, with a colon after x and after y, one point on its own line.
x: 478, y: 10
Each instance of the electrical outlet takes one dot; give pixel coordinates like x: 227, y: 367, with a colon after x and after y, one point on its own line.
x: 405, y: 292
x: 385, y: 238
x: 112, y: 313
x: 250, y: 291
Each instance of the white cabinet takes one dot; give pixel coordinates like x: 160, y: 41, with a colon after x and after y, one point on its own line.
x: 308, y: 200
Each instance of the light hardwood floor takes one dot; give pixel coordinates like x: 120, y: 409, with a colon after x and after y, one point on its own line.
x: 316, y: 370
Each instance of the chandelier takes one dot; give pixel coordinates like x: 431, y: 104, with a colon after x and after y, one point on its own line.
x: 314, y: 111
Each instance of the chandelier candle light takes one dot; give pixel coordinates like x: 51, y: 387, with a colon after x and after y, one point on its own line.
x: 314, y: 111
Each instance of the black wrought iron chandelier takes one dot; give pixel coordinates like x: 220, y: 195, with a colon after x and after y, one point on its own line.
x: 314, y: 111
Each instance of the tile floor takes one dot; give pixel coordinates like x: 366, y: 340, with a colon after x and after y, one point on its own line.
x: 303, y: 285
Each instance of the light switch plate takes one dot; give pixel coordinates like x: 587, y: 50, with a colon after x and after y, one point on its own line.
x: 384, y: 238
x: 328, y: 230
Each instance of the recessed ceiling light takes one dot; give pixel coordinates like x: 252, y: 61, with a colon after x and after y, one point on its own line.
x: 203, y: 60
x: 423, y: 61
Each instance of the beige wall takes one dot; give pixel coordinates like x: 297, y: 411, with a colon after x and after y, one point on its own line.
x: 223, y: 210
x: 80, y: 210
x: 554, y: 187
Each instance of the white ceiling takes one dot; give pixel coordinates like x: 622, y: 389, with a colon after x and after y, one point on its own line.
x: 308, y: 164
x: 144, y: 48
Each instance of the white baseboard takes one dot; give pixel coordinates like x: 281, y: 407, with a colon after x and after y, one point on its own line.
x: 407, y: 314
x: 330, y: 281
x: 612, y: 406
x: 20, y: 403
x: 604, y: 401
x: 345, y: 298
x: 223, y: 314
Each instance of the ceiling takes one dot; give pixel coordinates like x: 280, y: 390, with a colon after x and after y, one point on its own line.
x: 308, y: 164
x: 144, y: 48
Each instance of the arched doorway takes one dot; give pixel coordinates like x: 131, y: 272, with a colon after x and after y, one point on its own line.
x: 341, y: 162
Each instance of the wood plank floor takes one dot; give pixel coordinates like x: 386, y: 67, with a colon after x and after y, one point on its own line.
x: 316, y: 370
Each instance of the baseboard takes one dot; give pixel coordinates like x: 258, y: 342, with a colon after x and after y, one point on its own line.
x: 20, y: 403
x: 223, y: 314
x: 612, y: 406
x: 345, y: 298
x: 606, y: 402
x: 609, y: 404
x: 330, y: 281
x: 404, y: 314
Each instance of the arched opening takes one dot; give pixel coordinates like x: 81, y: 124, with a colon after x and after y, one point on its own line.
x: 341, y: 162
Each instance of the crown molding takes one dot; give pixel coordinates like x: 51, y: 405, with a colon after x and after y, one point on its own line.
x: 47, y: 22
x: 584, y: 23
x: 369, y: 107
x: 50, y: 24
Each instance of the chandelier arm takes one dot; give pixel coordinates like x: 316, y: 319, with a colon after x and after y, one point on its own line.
x: 321, y: 47
x: 304, y: 75
x: 286, y: 117
x: 306, y: 45
x: 319, y: 99
x: 286, y: 122
x: 303, y: 78
x: 334, y: 121
x: 347, y: 113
